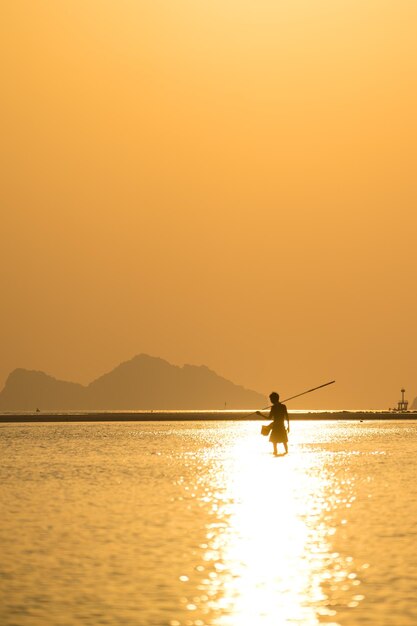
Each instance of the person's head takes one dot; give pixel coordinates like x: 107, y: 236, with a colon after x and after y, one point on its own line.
x: 274, y: 397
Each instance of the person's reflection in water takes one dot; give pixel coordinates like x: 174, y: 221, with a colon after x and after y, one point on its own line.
x: 279, y: 434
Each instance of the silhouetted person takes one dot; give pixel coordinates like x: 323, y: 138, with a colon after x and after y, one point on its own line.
x: 279, y: 434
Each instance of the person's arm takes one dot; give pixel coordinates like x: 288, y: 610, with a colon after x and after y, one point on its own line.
x: 288, y: 419
x: 265, y: 417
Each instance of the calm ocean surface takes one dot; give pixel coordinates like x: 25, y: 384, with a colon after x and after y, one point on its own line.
x: 197, y: 524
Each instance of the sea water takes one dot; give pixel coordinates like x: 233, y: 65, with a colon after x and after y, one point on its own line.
x: 198, y: 524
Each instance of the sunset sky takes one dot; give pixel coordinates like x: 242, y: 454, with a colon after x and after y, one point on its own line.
x: 212, y: 182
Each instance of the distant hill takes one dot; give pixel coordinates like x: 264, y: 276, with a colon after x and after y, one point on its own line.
x: 144, y: 382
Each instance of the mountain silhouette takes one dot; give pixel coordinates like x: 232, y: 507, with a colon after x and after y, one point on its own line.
x: 144, y: 382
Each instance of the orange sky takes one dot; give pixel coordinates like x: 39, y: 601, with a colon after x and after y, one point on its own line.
x: 218, y: 182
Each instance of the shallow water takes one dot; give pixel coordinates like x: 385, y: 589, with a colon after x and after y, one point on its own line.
x: 197, y: 524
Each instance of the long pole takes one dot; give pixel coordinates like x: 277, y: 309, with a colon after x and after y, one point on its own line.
x: 309, y: 391
x: 296, y: 396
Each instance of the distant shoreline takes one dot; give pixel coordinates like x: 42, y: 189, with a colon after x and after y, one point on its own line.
x: 193, y: 416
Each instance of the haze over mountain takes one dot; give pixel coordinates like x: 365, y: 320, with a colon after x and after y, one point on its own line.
x: 228, y: 183
x: 144, y: 382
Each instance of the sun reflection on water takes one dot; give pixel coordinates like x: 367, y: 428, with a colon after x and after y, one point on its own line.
x: 268, y: 556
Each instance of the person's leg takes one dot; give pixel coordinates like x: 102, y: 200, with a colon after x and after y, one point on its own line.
x: 286, y: 447
x: 275, y: 448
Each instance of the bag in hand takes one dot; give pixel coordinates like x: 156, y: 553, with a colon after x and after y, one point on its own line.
x: 265, y: 430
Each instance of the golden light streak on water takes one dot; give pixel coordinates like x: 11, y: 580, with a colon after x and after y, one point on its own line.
x: 270, y: 545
